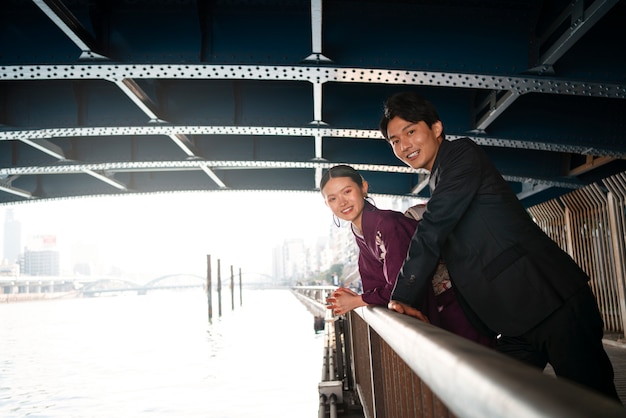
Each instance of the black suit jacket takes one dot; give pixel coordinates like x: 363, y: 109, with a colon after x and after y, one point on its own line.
x: 507, y: 273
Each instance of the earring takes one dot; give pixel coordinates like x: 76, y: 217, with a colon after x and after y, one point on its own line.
x: 371, y: 200
x: 336, y: 220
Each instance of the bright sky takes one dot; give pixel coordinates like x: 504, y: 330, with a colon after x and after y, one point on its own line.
x: 173, y: 233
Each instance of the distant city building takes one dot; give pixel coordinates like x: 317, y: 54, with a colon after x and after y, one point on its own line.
x: 296, y: 260
x: 12, y: 240
x: 295, y: 257
x: 7, y: 269
x: 321, y: 259
x: 41, y: 263
x: 41, y: 257
x: 278, y: 263
x: 343, y: 246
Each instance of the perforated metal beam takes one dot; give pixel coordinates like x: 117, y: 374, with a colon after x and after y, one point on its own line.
x: 517, y: 84
x: 30, y: 136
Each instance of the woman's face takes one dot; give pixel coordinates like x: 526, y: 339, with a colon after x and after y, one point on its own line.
x: 345, y: 198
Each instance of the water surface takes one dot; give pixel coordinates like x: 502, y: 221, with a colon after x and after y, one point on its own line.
x: 159, y: 356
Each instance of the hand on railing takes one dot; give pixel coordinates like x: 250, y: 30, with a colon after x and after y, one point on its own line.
x: 343, y: 300
x: 407, y: 310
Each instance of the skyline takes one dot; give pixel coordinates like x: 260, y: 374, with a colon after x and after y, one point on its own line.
x: 173, y: 233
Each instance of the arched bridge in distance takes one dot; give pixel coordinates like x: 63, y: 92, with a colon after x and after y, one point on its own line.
x: 177, y: 281
x: 115, y: 285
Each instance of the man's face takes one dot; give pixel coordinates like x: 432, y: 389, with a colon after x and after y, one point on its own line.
x: 415, y: 143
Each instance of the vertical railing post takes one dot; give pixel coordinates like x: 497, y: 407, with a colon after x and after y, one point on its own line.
x: 359, y: 344
x: 349, y: 353
x: 569, y: 232
x: 593, y: 250
x: 339, y: 349
x: 617, y: 192
x: 618, y: 256
x: 606, y: 263
x: 376, y: 367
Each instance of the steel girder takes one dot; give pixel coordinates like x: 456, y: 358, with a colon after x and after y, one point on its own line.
x: 108, y: 97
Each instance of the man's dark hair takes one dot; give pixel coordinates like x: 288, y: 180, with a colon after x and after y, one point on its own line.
x: 409, y: 106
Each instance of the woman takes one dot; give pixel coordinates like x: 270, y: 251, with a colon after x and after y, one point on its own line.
x: 383, y: 238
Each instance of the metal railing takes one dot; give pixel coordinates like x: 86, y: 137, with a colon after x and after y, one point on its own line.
x: 589, y: 224
x: 386, y: 365
x: 331, y: 386
x: 404, y: 368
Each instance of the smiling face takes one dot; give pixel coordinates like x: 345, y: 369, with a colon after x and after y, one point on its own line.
x: 415, y: 143
x: 345, y: 198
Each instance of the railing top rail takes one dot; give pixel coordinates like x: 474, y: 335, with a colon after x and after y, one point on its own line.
x: 477, y: 382
x: 315, y: 287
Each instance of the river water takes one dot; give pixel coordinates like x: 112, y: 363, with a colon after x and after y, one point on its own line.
x: 158, y: 355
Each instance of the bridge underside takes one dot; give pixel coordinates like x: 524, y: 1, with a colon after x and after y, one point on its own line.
x: 114, y: 97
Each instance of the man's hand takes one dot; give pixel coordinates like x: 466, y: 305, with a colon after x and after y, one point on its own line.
x: 407, y: 310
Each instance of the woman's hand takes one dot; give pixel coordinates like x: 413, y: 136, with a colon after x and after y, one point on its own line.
x: 344, y: 300
x: 407, y: 310
x: 345, y: 290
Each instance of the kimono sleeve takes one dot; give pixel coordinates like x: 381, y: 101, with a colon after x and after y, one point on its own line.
x: 392, y: 238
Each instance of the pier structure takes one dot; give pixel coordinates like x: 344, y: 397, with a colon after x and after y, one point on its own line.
x: 18, y: 288
x: 21, y: 288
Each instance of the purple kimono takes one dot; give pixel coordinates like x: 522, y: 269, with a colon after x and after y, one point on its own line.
x: 383, y: 248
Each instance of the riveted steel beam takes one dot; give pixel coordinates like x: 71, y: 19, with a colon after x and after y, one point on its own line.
x: 60, y: 15
x: 173, y: 130
x: 519, y: 84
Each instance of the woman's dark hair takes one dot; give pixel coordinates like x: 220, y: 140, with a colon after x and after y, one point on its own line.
x: 409, y: 106
x: 341, y: 170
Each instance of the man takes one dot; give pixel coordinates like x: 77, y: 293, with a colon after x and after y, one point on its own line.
x: 512, y: 280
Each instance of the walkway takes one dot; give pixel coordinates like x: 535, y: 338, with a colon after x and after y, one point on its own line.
x: 617, y: 352
x: 616, y: 349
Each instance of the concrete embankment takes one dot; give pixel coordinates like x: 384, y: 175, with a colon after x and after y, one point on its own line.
x: 27, y: 297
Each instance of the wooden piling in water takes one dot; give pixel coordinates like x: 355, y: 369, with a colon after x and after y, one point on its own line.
x: 219, y: 287
x: 240, y: 289
x: 232, y: 288
x: 208, y: 286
